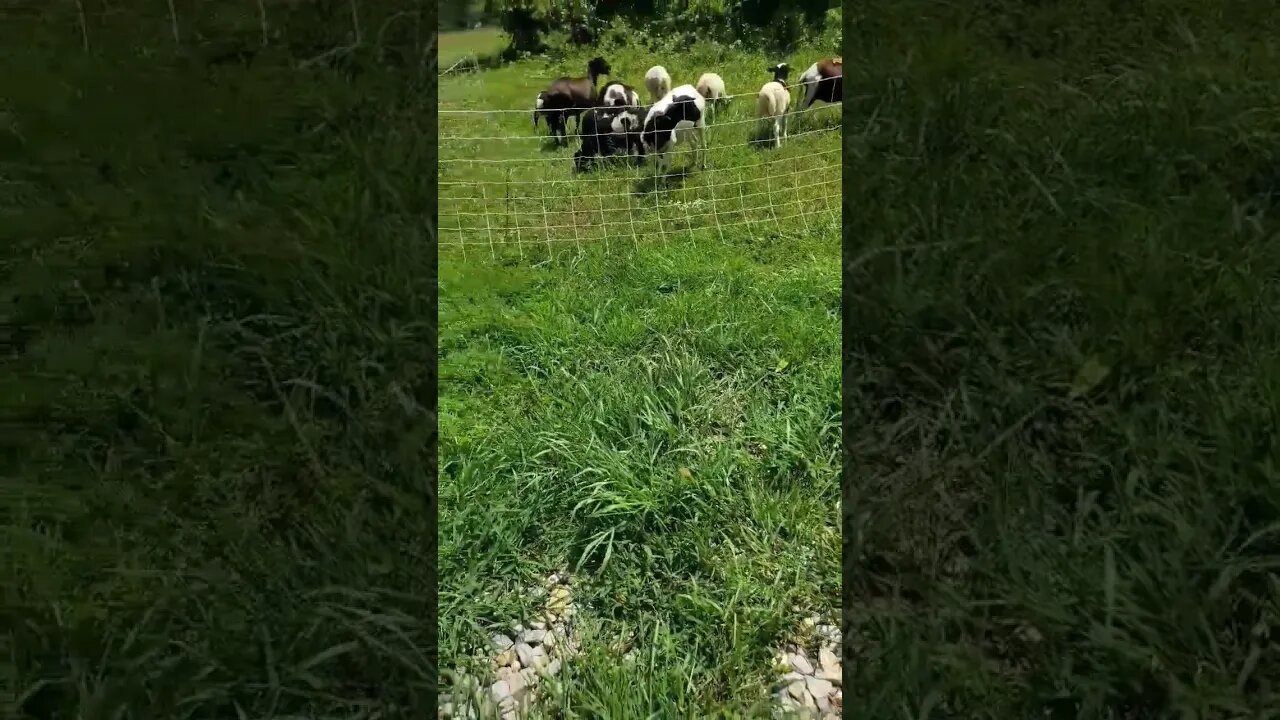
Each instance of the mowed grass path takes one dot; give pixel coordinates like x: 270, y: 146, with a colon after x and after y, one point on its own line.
x: 477, y: 43
x: 659, y: 416
x: 1064, y: 384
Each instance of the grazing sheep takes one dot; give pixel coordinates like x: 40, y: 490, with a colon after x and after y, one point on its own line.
x: 678, y: 117
x: 658, y: 82
x: 610, y: 131
x: 619, y: 94
x: 537, y: 109
x: 569, y: 97
x: 824, y: 80
x: 771, y: 104
x: 711, y: 87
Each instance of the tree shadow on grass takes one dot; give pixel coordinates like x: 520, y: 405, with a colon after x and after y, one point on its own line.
x: 655, y: 183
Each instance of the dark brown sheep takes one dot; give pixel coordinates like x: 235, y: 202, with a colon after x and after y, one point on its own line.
x: 568, y: 97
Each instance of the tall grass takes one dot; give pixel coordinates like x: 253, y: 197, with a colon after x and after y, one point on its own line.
x: 1060, y: 361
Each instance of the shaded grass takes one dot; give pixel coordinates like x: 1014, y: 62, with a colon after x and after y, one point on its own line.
x: 1060, y: 412
x: 215, y: 388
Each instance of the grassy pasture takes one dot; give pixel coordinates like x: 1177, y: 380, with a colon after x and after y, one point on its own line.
x: 503, y: 185
x: 659, y: 409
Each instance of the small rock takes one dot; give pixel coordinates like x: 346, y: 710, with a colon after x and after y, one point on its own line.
x: 525, y: 653
x: 533, y: 636
x: 809, y: 701
x: 539, y: 656
x: 538, y: 625
x: 505, y: 657
x: 823, y: 703
x: 516, y: 684
x: 833, y: 676
x: 552, y: 668
x: 828, y: 660
x: 553, y: 578
x: 517, y: 628
x: 797, y: 690
x: 818, y: 687
x: 500, y: 691
x: 800, y: 663
x: 500, y: 642
x: 829, y: 633
x: 792, y: 677
x: 446, y: 711
x: 549, y: 640
x: 529, y: 676
x: 515, y: 666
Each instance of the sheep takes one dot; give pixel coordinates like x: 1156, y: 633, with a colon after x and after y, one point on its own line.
x: 607, y: 131
x: 771, y: 105
x: 711, y: 87
x: 568, y: 97
x: 677, y: 117
x: 618, y: 94
x: 537, y: 109
x: 658, y: 82
x: 824, y: 80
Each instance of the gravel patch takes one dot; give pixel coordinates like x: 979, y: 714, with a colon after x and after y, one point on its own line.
x: 811, y: 681
x: 523, y: 661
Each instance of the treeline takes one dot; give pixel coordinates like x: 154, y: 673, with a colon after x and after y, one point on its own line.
x: 534, y: 24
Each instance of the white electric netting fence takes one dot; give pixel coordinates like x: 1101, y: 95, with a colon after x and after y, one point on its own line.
x: 504, y: 186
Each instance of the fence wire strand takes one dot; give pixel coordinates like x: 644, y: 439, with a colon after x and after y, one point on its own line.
x: 494, y: 194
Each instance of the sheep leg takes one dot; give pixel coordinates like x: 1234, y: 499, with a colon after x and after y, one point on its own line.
x: 777, y: 131
x: 702, y: 144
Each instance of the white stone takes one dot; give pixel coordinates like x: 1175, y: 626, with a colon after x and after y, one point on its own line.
x: 552, y: 668
x: 819, y: 687
x: 500, y: 642
x: 832, y: 676
x: 797, y: 690
x: 800, y: 663
x: 533, y: 636
x: 828, y: 660
x: 500, y: 691
x: 525, y: 653
x: 505, y: 657
x: 538, y: 625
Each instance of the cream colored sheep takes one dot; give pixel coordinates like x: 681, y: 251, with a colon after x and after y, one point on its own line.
x: 711, y: 87
x: 658, y: 81
x: 771, y: 104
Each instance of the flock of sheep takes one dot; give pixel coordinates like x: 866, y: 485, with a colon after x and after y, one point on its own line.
x: 612, y: 121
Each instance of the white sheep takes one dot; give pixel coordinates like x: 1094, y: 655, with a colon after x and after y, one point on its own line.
x: 771, y: 104
x: 711, y: 87
x: 658, y: 81
x: 678, y: 118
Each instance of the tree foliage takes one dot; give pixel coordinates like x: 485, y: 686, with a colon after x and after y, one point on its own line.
x: 773, y: 22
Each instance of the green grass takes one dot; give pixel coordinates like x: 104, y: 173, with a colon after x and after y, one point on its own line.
x: 1062, y: 329
x: 216, y: 325
x: 656, y: 411
x: 477, y: 43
